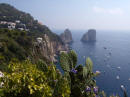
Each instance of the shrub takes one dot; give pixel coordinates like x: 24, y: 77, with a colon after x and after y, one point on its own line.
x: 25, y: 80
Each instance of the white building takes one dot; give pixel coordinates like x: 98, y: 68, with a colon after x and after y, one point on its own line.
x: 39, y: 39
x: 11, y: 27
x: 21, y: 29
x: 11, y: 24
x: 17, y: 21
x: 3, y: 22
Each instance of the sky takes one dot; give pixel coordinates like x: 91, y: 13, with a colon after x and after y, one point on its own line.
x: 78, y: 14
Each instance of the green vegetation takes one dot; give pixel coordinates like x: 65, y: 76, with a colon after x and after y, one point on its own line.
x: 14, y: 44
x: 24, y: 79
x: 28, y: 80
x: 10, y: 14
x: 81, y: 77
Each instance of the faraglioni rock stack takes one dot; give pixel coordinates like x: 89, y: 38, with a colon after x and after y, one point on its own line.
x: 66, y: 36
x: 89, y: 36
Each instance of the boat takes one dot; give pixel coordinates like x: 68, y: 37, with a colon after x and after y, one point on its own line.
x: 118, y: 67
x: 117, y: 77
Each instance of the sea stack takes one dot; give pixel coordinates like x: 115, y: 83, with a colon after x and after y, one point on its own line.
x: 89, y: 36
x: 66, y: 36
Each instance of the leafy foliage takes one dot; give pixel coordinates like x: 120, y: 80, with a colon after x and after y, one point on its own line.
x: 14, y: 44
x: 68, y: 61
x: 89, y: 64
x: 80, y: 76
x: 73, y: 58
x: 26, y: 80
x: 64, y: 61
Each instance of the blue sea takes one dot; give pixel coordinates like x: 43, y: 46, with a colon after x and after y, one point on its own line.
x: 110, y: 55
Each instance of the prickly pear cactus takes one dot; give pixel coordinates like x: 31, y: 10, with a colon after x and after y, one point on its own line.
x: 73, y: 59
x: 64, y: 62
x: 79, y: 76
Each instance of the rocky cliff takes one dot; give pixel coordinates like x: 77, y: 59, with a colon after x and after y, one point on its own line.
x: 90, y: 36
x: 66, y: 36
x: 46, y: 49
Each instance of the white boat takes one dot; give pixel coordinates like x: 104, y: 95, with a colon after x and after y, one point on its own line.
x: 117, y: 77
x: 118, y: 67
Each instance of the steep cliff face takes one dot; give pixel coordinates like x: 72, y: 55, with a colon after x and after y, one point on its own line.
x: 46, y: 49
x: 90, y: 36
x: 66, y: 36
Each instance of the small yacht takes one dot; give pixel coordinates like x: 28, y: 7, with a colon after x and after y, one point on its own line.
x: 117, y: 77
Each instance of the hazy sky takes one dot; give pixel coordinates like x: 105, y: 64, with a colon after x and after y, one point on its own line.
x: 78, y: 14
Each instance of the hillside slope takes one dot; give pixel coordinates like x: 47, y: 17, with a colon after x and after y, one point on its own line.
x: 16, y: 23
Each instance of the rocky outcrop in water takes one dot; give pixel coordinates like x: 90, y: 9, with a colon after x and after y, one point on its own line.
x: 90, y: 36
x: 46, y: 49
x: 66, y: 36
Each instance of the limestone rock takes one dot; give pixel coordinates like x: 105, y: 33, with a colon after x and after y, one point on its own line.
x: 44, y: 48
x: 66, y: 36
x: 90, y: 36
